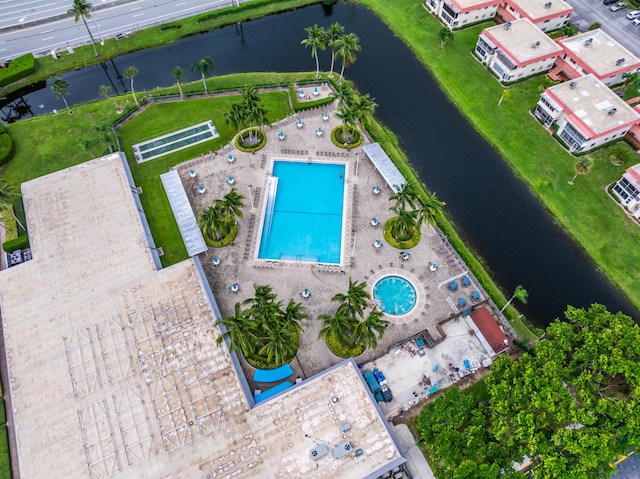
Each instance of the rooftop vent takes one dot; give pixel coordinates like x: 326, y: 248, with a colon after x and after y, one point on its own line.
x: 345, y: 427
x: 612, y: 111
x: 547, y: 5
x: 573, y: 85
x: 319, y: 451
x: 588, y: 42
x: 535, y: 44
x: 619, y: 61
x: 341, y: 450
x: 507, y: 25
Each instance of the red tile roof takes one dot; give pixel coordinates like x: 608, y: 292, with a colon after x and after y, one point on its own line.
x: 489, y: 329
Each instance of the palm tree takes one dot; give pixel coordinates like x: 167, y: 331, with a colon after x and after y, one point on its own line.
x: 348, y: 45
x: 365, y: 331
x: 631, y: 79
x: 7, y: 195
x: 234, y: 202
x: 354, y: 301
x: 345, y: 92
x: 333, y: 35
x: 239, y: 329
x: 404, y: 223
x: 178, y: 75
x: 582, y: 166
x: 212, y: 221
x: 345, y: 113
x: 316, y: 39
x: 130, y: 73
x: 405, y: 195
x: 429, y: 209
x: 278, y: 344
x: 82, y: 9
x: 203, y: 67
x: 363, y: 107
x: 339, y: 326
x: 256, y: 115
x: 60, y: 88
x: 105, y: 91
x: 292, y: 315
x: 519, y: 293
x: 445, y: 35
x: 105, y: 130
x: 235, y: 117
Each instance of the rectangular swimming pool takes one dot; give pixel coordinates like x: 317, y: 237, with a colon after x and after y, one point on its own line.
x: 304, y: 211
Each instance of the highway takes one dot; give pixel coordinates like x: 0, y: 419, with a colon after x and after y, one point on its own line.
x: 115, y: 17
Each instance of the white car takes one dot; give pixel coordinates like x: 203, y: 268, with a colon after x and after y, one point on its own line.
x: 633, y: 14
x: 617, y: 6
x: 636, y: 21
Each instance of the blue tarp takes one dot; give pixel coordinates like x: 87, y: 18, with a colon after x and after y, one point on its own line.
x: 433, y: 389
x: 273, y: 391
x: 272, y: 375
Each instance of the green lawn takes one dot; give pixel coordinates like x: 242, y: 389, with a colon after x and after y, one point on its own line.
x: 584, y: 209
x: 5, y: 460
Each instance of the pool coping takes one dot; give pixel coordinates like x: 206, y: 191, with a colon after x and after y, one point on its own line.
x: 346, y: 213
x: 421, y: 297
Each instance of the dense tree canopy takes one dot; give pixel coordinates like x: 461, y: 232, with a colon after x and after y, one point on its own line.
x: 571, y: 403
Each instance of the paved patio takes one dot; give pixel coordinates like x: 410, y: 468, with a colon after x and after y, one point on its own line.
x: 360, y: 259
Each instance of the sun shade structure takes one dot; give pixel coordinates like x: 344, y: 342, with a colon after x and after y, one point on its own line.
x: 385, y: 166
x: 187, y: 224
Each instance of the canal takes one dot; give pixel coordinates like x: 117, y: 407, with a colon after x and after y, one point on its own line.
x: 492, y: 209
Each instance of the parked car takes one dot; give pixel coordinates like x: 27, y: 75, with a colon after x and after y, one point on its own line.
x: 636, y: 21
x: 633, y: 14
x: 617, y: 6
x: 609, y: 2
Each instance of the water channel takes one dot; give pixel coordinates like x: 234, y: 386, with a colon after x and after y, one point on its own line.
x: 492, y: 209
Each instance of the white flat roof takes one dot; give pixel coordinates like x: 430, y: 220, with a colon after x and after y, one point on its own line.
x: 385, y: 166
x: 591, y: 105
x: 541, y: 9
x: 522, y: 41
x: 597, y: 51
x: 114, y: 369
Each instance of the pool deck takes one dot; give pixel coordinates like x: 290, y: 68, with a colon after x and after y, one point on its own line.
x: 362, y: 261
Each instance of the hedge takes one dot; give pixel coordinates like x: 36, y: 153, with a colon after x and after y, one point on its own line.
x: 262, y: 141
x: 3, y: 129
x: 307, y: 105
x: 223, y: 241
x: 19, y: 68
x: 21, y: 242
x: 241, y: 8
x: 338, y: 140
x: 7, y: 148
x: 340, y: 350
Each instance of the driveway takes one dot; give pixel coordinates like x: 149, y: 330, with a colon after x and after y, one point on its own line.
x: 614, y: 23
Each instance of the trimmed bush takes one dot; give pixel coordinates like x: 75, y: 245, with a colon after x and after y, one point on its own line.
x: 7, y: 148
x: 241, y: 8
x: 342, y: 351
x: 3, y: 129
x: 224, y: 241
x: 338, y: 140
x: 21, y: 242
x: 10, y: 225
x: 406, y: 244
x: 19, y: 68
x: 170, y: 26
x: 262, y: 141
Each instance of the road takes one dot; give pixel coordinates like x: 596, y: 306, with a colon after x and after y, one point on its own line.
x: 613, y: 23
x: 113, y: 18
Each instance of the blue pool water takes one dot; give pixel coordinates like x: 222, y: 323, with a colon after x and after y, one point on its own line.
x: 394, y: 295
x: 303, y: 221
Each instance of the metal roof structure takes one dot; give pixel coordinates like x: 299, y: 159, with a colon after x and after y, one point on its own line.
x: 385, y: 166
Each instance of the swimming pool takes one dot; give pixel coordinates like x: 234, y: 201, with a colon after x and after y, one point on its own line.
x: 303, y: 214
x: 394, y: 295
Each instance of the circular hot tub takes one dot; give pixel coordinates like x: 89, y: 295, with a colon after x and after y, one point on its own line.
x: 394, y: 295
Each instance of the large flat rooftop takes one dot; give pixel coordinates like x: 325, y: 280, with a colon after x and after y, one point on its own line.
x: 541, y: 9
x: 523, y: 41
x: 599, y: 53
x: 592, y: 105
x: 124, y: 378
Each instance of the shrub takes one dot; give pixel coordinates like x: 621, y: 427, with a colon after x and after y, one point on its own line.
x: 7, y: 148
x: 262, y: 141
x: 620, y: 153
x: 594, y: 26
x: 3, y: 129
x: 170, y: 26
x: 10, y: 225
x: 342, y: 351
x: 260, y: 362
x: 307, y: 105
x: 19, y: 68
x: 240, y: 8
x: 406, y: 244
x: 20, y: 242
x: 224, y: 241
x: 338, y: 140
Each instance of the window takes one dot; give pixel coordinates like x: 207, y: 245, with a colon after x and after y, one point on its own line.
x: 572, y: 137
x: 626, y: 191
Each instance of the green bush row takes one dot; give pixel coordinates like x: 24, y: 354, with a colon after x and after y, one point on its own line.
x: 19, y: 68
x: 224, y: 241
x: 21, y: 242
x: 7, y: 148
x: 338, y: 140
x: 241, y: 8
x: 170, y: 26
x: 306, y: 105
